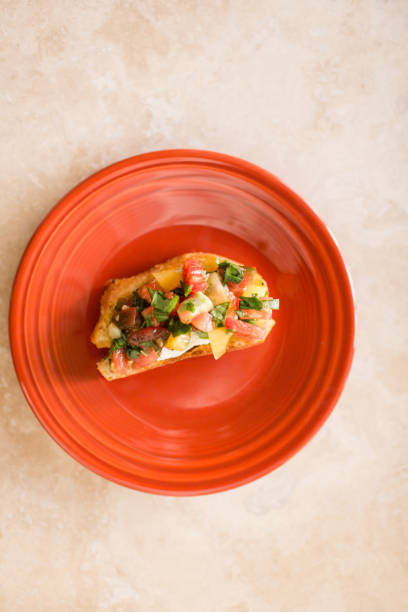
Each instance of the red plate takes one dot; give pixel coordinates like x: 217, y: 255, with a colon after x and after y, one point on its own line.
x: 198, y: 426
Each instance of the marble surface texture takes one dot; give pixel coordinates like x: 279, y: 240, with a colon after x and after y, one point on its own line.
x: 317, y: 92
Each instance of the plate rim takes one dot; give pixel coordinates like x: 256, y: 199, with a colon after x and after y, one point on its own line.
x: 69, y: 201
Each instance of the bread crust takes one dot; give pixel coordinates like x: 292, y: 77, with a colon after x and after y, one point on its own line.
x: 121, y: 288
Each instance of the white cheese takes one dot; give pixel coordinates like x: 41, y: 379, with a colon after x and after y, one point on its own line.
x: 114, y: 331
x: 195, y: 340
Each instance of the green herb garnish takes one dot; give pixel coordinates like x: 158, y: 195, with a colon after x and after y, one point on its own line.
x: 139, y: 302
x: 189, y: 306
x: 233, y: 273
x: 148, y: 322
x: 183, y: 290
x: 271, y: 304
x: 218, y: 313
x: 172, y: 303
x: 177, y: 327
x: 162, y: 305
x: 252, y: 303
x: 146, y: 346
x: 118, y: 343
x: 133, y: 352
x: 187, y: 288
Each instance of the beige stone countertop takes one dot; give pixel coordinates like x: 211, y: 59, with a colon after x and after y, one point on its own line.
x: 316, y: 92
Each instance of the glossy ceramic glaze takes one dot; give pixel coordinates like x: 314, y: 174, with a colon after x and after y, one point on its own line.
x: 198, y: 426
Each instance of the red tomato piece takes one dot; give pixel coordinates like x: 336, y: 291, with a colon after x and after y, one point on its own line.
x: 244, y: 329
x: 145, y: 360
x: 119, y: 361
x: 234, y: 304
x: 234, y: 301
x: 204, y: 322
x: 144, y: 291
x: 239, y: 288
x: 150, y: 311
x: 256, y: 314
x: 195, y: 275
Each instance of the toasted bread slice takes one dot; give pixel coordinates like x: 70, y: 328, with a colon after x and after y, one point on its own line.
x: 123, y: 288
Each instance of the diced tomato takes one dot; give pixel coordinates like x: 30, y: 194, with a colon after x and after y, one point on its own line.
x: 195, y: 275
x: 119, y: 361
x: 234, y: 304
x: 239, y: 288
x: 244, y: 329
x: 256, y: 314
x: 144, y: 291
x: 204, y: 322
x: 150, y: 311
x: 234, y: 301
x: 145, y: 360
x: 147, y: 334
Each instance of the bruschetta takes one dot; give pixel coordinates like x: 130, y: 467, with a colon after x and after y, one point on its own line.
x: 193, y: 305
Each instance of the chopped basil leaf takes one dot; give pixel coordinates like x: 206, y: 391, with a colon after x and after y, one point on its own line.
x: 253, y: 303
x: 183, y: 290
x: 117, y: 344
x: 233, y: 273
x: 271, y: 304
x: 146, y: 346
x: 148, y: 322
x: 139, y: 302
x: 201, y: 334
x: 218, y: 313
x: 162, y: 305
x: 158, y: 298
x: 132, y: 352
x: 160, y: 315
x: 177, y: 327
x: 172, y: 303
x: 222, y: 264
x: 186, y: 288
x: 189, y: 306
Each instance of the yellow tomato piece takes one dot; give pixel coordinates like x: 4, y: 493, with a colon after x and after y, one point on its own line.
x: 257, y: 286
x: 168, y: 279
x: 259, y: 290
x: 178, y: 343
x: 265, y: 324
x: 219, y: 339
x: 210, y: 263
x: 258, y: 280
